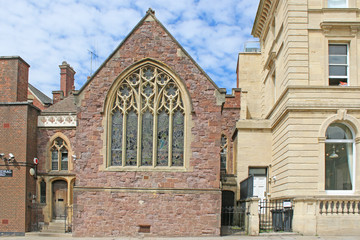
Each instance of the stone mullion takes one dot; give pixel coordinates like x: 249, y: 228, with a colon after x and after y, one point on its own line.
x: 155, y: 114
x: 124, y: 137
x: 139, y: 126
x: 171, y: 113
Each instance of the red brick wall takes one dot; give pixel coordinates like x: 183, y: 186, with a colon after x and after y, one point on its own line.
x: 230, y: 115
x: 14, y: 137
x: 13, y: 79
x: 149, y: 40
x: 22, y: 81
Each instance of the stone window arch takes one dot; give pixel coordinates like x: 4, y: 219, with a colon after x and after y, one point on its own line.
x: 59, y: 153
x: 147, y: 118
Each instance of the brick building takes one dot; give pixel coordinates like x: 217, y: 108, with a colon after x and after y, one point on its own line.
x: 135, y: 151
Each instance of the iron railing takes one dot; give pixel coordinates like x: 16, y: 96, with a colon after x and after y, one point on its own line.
x: 233, y: 220
x: 275, y: 215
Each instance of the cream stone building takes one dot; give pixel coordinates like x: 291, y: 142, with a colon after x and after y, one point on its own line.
x: 299, y: 124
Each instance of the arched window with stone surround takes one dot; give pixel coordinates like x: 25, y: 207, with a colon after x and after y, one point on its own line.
x: 59, y: 152
x: 223, y: 152
x: 146, y: 120
x: 339, y: 158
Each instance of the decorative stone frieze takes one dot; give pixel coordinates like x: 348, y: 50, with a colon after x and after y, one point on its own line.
x: 57, y: 121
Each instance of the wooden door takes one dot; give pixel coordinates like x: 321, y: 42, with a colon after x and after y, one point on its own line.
x: 59, y: 199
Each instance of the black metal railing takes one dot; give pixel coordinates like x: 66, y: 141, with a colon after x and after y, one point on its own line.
x: 233, y: 220
x: 275, y: 215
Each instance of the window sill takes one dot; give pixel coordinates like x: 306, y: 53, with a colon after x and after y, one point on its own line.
x: 144, y: 169
x: 339, y: 192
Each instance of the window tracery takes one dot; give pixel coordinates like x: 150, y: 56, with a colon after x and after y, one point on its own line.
x: 223, y: 152
x: 147, y: 120
x: 59, y: 155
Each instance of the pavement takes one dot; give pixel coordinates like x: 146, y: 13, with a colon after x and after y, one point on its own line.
x: 285, y: 236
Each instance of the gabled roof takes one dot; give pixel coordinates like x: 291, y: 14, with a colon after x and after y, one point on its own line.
x: 150, y: 13
x: 40, y: 95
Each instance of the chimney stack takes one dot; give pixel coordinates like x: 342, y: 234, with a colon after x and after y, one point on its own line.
x: 66, y: 78
x: 14, y: 73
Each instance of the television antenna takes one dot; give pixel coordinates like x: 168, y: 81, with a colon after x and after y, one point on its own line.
x: 93, y: 55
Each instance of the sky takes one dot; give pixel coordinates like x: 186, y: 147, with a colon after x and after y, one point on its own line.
x: 46, y: 33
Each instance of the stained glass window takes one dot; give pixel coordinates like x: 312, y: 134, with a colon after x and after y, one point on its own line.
x: 59, y: 155
x: 223, y: 152
x: 178, y: 139
x: 147, y: 120
x: 163, y: 139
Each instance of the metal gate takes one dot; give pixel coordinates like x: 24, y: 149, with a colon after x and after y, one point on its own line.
x: 233, y: 220
x: 275, y: 215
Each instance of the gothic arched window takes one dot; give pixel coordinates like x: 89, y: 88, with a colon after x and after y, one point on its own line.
x: 59, y: 155
x: 223, y: 152
x: 339, y: 157
x: 146, y: 120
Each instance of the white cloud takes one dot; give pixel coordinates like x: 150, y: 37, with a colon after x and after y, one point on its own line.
x: 45, y: 33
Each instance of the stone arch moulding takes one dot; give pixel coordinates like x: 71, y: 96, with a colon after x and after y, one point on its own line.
x: 341, y: 116
x: 49, y: 143
x: 112, y: 95
x: 139, y: 64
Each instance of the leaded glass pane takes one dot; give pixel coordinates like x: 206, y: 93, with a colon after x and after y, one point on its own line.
x: 178, y: 139
x: 131, y: 138
x: 54, y: 160
x: 162, y: 139
x: 147, y: 139
x: 223, y: 159
x: 42, y: 192
x: 116, y: 138
x: 64, y: 159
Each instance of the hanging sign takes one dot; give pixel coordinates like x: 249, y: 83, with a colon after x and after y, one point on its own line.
x: 6, y: 173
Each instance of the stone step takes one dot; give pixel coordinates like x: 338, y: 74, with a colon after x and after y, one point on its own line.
x: 46, y: 234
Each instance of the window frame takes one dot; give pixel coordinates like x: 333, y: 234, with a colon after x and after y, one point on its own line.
x: 59, y: 154
x: 353, y: 179
x: 335, y: 77
x: 346, y: 4
x: 224, y: 147
x: 187, y: 106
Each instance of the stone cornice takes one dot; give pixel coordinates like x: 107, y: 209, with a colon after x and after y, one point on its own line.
x: 262, y: 15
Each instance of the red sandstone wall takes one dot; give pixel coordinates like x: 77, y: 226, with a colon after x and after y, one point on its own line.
x: 170, y: 214
x: 43, y: 138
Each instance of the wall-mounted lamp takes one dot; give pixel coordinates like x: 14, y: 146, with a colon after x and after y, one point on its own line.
x: 74, y: 157
x: 274, y: 179
x: 11, y: 157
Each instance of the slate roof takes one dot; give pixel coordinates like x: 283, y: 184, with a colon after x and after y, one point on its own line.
x: 40, y: 95
x: 67, y: 105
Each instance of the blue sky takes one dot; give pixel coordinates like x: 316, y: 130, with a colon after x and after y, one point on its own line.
x: 45, y: 33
